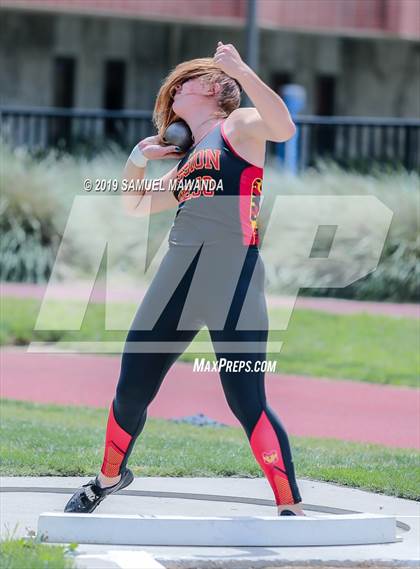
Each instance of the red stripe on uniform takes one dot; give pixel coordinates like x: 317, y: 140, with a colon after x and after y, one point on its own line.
x: 116, y: 445
x: 266, y: 448
x: 246, y: 185
x: 249, y: 235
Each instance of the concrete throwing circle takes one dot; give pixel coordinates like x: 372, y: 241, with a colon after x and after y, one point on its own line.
x: 337, y: 527
x: 189, y: 496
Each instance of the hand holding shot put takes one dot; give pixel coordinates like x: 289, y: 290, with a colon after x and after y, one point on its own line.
x: 154, y: 148
x: 150, y: 148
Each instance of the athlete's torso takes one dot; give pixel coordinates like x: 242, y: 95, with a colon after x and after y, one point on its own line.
x: 219, y: 195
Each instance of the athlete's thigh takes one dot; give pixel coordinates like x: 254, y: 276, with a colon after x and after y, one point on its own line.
x: 164, y: 301
x: 151, y: 348
x: 246, y: 324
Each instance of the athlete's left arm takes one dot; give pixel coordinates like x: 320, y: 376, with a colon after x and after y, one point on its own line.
x: 270, y: 119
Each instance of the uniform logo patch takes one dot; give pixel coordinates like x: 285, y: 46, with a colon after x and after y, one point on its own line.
x: 270, y: 456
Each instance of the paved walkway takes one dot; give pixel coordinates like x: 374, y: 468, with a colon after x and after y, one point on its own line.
x: 81, y: 290
x: 23, y: 499
x: 309, y: 407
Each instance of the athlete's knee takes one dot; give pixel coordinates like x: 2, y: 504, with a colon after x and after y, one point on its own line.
x: 247, y: 412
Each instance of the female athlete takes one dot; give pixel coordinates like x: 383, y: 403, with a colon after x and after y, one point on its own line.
x: 212, y: 273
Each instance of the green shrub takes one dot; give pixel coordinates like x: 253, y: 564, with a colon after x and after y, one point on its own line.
x: 397, y: 274
x: 27, y: 218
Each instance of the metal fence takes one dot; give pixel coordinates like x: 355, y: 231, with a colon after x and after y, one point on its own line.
x: 357, y: 142
x: 73, y: 130
x: 360, y: 142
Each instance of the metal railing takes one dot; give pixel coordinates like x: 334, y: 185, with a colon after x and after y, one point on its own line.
x: 73, y: 130
x: 358, y: 142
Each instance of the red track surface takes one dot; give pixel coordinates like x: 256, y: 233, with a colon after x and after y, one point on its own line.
x: 310, y: 407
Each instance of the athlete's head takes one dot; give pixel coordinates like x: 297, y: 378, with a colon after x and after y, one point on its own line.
x: 195, y: 86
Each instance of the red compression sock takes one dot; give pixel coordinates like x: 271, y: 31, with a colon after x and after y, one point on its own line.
x: 266, y: 448
x: 116, y: 444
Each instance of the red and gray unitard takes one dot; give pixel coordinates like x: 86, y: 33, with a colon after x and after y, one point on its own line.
x: 212, y: 275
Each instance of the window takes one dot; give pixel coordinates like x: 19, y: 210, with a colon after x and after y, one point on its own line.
x: 64, y: 75
x: 64, y: 72
x: 325, y: 106
x: 114, y: 95
x: 325, y: 95
x: 278, y: 80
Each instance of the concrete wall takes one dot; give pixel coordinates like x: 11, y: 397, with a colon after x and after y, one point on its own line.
x: 400, y: 18
x: 378, y: 77
x: 26, y: 46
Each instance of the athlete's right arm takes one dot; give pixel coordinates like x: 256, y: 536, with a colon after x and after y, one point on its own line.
x: 139, y: 202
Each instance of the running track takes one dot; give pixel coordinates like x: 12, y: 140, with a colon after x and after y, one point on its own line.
x: 312, y: 407
x: 309, y: 407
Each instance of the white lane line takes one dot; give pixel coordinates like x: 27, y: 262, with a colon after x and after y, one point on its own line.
x: 123, y: 559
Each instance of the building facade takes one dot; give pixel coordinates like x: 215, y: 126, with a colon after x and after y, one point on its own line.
x: 353, y: 57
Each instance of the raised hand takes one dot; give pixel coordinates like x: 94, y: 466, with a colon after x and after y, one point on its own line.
x: 227, y: 58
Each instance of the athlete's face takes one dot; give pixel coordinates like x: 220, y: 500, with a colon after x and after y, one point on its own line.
x: 191, y: 93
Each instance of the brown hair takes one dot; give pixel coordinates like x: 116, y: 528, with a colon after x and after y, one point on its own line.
x: 228, y: 98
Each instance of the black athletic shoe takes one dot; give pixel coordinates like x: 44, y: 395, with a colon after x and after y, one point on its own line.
x: 90, y: 495
x: 287, y: 513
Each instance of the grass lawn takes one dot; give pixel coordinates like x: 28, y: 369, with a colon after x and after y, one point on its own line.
x: 30, y: 554
x: 49, y: 440
x: 362, y: 347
